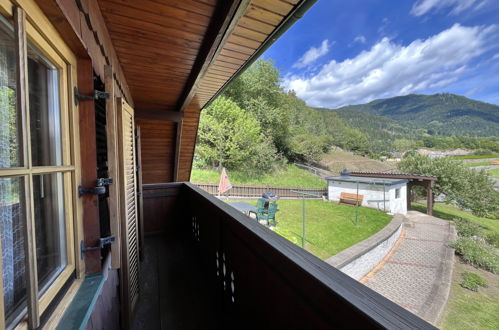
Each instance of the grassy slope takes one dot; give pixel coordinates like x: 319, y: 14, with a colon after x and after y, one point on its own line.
x: 337, y: 160
x: 494, y: 172
x: 472, y: 310
x: 329, y: 227
x: 291, y: 176
x: 449, y: 212
x: 466, y: 309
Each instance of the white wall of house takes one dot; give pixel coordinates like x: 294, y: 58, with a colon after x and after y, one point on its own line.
x: 373, y: 195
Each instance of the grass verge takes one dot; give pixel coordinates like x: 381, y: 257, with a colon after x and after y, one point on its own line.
x: 450, y: 212
x: 472, y: 310
x: 477, y: 164
x: 494, y: 172
x: 476, y: 156
x: 289, y: 176
x: 329, y: 227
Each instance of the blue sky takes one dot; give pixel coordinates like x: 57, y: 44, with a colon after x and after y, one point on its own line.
x: 349, y: 52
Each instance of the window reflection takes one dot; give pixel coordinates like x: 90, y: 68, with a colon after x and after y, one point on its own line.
x: 10, y: 119
x: 44, y: 110
x: 48, y: 196
x: 12, y: 220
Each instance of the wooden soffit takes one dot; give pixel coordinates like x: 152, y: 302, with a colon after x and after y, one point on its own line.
x: 176, y: 51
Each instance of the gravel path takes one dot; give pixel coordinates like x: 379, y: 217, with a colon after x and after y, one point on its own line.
x: 417, y: 272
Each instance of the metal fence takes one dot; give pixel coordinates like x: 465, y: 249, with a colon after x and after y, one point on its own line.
x: 320, y: 172
x: 238, y: 191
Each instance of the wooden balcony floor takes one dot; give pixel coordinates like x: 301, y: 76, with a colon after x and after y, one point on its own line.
x: 173, y: 293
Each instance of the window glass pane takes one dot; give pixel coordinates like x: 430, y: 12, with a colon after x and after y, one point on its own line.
x: 44, y: 110
x: 10, y: 120
x: 12, y: 220
x: 48, y: 196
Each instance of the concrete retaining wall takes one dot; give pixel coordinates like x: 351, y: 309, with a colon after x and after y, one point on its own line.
x: 358, y: 260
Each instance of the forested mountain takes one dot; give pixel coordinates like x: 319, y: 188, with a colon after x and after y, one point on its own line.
x: 438, y: 114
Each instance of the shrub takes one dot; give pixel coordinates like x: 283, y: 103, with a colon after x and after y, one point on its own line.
x: 466, y: 228
x: 472, y: 281
x: 477, y: 254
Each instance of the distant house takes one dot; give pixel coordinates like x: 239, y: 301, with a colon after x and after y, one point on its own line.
x: 385, y: 194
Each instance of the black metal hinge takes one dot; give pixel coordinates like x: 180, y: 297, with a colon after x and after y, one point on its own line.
x: 99, y: 189
x: 102, y: 242
x: 97, y: 95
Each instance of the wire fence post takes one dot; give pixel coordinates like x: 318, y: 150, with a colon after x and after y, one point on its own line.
x: 384, y: 197
x: 357, y: 207
x: 303, y: 222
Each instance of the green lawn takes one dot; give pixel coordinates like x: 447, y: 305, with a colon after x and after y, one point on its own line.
x: 467, y: 309
x: 476, y: 156
x: 472, y: 310
x: 477, y: 164
x: 329, y: 227
x: 494, y: 172
x: 449, y: 212
x: 290, y: 176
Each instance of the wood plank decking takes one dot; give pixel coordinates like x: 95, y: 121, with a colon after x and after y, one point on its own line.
x: 173, y: 294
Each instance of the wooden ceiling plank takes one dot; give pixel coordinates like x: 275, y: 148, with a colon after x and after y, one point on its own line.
x: 158, y: 115
x: 225, y: 20
x: 250, y: 34
x: 233, y: 54
x: 149, y: 27
x: 142, y: 15
x: 239, y: 48
x: 255, y: 25
x: 166, y: 11
x: 239, y: 40
x: 278, y: 7
x: 137, y: 33
x: 263, y: 15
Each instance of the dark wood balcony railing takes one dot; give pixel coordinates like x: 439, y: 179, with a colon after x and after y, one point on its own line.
x: 259, y: 280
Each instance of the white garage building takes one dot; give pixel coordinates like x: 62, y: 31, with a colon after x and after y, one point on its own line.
x: 385, y: 194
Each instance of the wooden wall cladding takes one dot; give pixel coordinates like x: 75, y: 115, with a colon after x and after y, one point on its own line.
x: 106, y: 313
x: 82, y: 27
x: 160, y: 207
x: 157, y: 150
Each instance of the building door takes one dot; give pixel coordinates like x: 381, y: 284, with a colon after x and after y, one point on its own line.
x: 129, y: 213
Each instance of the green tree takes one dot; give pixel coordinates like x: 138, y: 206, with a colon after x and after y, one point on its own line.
x: 403, y: 145
x: 258, y: 91
x: 230, y: 137
x: 470, y: 189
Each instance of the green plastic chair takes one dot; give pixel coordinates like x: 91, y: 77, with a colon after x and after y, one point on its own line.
x: 269, y: 215
x: 260, y: 207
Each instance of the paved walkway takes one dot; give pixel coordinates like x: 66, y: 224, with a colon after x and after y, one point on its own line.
x: 417, y: 272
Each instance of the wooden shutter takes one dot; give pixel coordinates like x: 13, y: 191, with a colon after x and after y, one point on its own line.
x: 129, y: 226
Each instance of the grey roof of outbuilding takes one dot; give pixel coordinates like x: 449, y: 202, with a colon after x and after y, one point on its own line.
x: 367, y: 180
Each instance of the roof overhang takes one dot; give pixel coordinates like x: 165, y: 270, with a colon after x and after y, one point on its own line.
x: 177, y: 51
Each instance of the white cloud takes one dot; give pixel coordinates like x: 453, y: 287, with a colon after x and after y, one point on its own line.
x: 495, y: 57
x: 312, y: 55
x: 389, y: 69
x: 360, y: 39
x: 422, y: 7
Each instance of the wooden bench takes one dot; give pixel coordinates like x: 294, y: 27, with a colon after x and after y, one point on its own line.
x: 351, y: 199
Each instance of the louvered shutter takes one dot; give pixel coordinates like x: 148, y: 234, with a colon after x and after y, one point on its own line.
x: 129, y: 224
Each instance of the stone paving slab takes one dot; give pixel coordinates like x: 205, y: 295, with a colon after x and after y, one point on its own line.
x: 417, y: 273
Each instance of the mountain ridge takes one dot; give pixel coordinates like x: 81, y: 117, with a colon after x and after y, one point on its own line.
x: 442, y: 114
